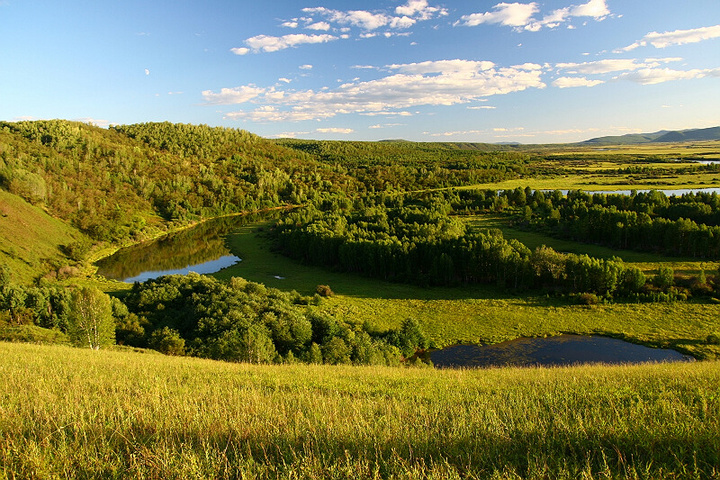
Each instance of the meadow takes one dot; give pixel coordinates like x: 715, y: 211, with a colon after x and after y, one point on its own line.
x: 116, y: 414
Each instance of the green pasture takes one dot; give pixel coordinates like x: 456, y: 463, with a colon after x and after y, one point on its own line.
x: 72, y: 413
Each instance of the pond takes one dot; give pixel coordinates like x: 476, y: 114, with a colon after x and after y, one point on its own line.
x: 552, y: 351
x: 198, y: 249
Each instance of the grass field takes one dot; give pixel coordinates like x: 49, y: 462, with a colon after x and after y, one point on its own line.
x: 71, y: 413
x: 475, y: 314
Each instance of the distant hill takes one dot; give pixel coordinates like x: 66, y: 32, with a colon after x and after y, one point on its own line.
x: 662, y: 136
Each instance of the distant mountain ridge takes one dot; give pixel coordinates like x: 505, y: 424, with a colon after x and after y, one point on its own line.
x: 662, y: 136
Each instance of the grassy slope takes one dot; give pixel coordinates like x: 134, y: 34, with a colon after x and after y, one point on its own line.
x: 477, y: 313
x: 30, y: 238
x: 83, y: 414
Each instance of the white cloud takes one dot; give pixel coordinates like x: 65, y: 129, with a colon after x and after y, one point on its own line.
x: 267, y: 43
x: 677, y: 37
x: 601, y: 66
x: 569, y: 82
x: 305, y: 67
x: 147, y: 72
x: 229, y: 96
x: 420, y: 9
x: 335, y: 130
x: 614, y: 65
x: 482, y: 107
x: 508, y: 14
x: 652, y: 76
x: 324, y: 26
x: 521, y: 15
x: 292, y: 24
x: 449, y: 82
x: 594, y: 8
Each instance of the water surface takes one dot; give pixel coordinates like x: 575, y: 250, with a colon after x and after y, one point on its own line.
x: 552, y: 351
x: 198, y: 249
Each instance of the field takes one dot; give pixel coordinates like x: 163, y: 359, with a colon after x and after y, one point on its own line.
x: 108, y: 414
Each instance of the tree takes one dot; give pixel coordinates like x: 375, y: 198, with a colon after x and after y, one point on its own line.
x: 91, y: 322
x: 168, y: 341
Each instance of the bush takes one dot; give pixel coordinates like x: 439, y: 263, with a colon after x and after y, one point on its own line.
x: 713, y: 340
x: 588, y: 299
x: 168, y: 341
x: 324, y: 291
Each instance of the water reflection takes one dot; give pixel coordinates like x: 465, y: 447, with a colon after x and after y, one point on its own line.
x: 199, y: 249
x: 552, y: 351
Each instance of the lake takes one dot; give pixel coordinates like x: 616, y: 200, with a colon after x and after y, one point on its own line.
x: 552, y: 351
x: 198, y: 249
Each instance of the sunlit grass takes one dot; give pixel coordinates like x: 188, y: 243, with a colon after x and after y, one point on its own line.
x: 74, y: 413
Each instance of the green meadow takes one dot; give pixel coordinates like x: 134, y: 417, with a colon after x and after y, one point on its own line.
x: 113, y: 414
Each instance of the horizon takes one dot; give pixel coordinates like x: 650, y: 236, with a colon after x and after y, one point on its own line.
x: 552, y: 72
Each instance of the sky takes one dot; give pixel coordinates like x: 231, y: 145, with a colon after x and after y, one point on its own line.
x: 551, y: 71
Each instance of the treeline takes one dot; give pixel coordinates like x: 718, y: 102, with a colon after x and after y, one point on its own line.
x: 685, y: 225
x: 416, y: 240
x: 118, y: 183
x: 398, y: 165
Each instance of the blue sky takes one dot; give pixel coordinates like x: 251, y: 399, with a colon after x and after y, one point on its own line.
x: 486, y: 71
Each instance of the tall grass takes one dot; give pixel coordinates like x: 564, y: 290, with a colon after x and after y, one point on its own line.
x: 80, y: 414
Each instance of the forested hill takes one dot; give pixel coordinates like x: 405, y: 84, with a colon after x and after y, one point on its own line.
x: 663, y: 136
x: 417, y: 165
x: 121, y: 182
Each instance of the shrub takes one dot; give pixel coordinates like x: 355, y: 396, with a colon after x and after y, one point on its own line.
x: 168, y: 341
x: 713, y: 340
x: 324, y: 291
x: 588, y: 299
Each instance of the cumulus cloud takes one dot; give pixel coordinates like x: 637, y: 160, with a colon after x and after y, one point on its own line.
x: 677, y: 37
x: 521, y: 16
x: 267, y: 43
x: 420, y: 9
x: 449, y: 82
x: 335, y: 130
x: 324, y: 26
x: 508, y: 14
x: 569, y: 82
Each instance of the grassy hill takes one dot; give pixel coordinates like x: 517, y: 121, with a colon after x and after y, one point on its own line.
x: 108, y: 414
x: 32, y: 241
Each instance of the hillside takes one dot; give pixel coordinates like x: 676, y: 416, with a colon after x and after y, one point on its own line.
x: 85, y: 414
x: 662, y: 136
x: 31, y: 240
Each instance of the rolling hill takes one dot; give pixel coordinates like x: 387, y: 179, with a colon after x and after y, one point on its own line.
x: 662, y: 136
